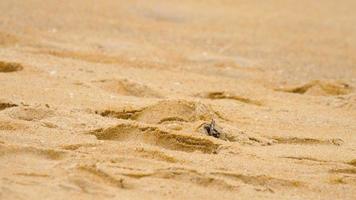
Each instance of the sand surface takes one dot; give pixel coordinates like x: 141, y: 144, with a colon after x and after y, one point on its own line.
x: 108, y: 99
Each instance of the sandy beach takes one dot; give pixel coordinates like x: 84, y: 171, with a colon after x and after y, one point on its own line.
x: 112, y: 99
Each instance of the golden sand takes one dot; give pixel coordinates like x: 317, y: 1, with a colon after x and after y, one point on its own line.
x: 109, y: 99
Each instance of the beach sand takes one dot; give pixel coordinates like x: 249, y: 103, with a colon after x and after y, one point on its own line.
x: 109, y: 99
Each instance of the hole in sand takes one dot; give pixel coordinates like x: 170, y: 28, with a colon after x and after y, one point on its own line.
x: 10, y: 67
x: 128, y: 88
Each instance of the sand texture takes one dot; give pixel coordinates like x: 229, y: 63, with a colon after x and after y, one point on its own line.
x: 111, y: 99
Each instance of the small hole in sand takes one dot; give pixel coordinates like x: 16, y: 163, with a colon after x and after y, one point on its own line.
x: 10, y: 67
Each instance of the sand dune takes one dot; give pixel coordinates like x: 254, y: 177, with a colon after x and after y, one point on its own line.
x: 111, y: 99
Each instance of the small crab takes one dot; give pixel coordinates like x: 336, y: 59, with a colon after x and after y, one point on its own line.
x: 211, y: 129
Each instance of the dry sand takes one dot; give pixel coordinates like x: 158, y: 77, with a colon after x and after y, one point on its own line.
x: 107, y: 99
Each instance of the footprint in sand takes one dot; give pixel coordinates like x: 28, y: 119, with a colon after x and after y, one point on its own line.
x: 30, y: 114
x: 128, y: 88
x: 231, y: 96
x: 319, y: 88
x: 28, y: 151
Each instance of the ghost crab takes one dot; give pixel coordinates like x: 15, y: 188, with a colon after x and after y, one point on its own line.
x: 211, y: 129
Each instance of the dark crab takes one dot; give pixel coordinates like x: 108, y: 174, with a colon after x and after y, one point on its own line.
x: 211, y: 129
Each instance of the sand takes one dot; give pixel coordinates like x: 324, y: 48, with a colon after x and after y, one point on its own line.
x: 109, y: 99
